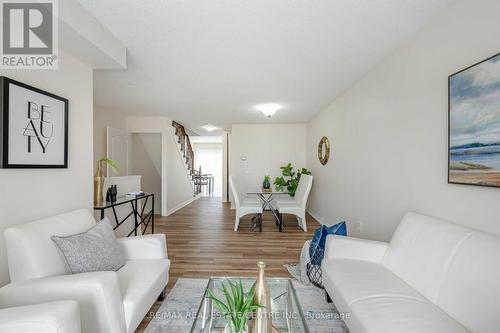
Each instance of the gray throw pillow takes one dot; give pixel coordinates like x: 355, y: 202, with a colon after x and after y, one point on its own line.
x: 94, y: 250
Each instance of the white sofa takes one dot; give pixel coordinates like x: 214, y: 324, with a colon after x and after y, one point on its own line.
x: 53, y: 317
x: 110, y: 302
x: 433, y: 277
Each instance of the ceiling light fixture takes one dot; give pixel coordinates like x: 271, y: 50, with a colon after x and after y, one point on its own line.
x: 209, y: 128
x: 268, y: 109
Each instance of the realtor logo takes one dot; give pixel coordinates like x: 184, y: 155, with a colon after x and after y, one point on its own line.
x: 29, y: 34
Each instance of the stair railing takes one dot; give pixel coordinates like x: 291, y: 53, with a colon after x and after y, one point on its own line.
x: 187, y: 150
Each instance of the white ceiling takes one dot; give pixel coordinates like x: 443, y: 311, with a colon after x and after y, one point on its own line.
x: 211, y: 61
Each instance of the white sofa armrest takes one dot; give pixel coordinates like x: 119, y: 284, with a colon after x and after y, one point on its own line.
x: 341, y: 247
x: 144, y: 247
x: 53, y: 317
x: 97, y: 293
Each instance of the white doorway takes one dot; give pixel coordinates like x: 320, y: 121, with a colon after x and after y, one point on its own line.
x: 147, y: 161
x: 118, y: 149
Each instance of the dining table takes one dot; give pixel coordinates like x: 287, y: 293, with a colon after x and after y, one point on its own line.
x: 267, y: 197
x: 202, y: 180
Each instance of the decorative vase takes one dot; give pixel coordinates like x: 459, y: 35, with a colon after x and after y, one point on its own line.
x: 267, y: 184
x: 98, y: 184
x: 262, y: 322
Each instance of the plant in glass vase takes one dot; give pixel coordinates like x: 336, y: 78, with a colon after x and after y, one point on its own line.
x: 237, y: 308
x: 289, y: 179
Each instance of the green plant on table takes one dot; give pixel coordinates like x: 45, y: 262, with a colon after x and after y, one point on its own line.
x: 104, y: 160
x: 237, y: 307
x: 289, y: 179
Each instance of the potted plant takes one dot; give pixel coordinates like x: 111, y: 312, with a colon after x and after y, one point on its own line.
x: 266, y: 185
x: 237, y: 308
x: 289, y: 179
x: 99, y: 179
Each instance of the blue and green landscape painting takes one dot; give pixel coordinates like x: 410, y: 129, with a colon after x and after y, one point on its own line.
x: 475, y: 124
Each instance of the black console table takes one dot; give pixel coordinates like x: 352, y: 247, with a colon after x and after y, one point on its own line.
x: 139, y: 218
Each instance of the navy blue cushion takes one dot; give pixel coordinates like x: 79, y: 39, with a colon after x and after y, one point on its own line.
x: 317, y: 247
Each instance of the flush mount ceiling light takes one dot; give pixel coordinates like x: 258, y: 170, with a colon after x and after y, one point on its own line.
x: 268, y: 109
x: 209, y: 128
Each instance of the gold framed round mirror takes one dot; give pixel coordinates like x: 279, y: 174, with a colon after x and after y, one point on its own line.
x: 324, y: 150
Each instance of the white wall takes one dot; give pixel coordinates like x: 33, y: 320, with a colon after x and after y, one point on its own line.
x: 146, y: 161
x: 27, y: 195
x: 179, y: 190
x: 267, y: 148
x: 389, y: 132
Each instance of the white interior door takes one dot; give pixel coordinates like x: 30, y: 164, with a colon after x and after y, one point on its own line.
x: 118, y: 149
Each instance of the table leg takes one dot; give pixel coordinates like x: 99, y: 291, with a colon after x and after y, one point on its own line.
x: 135, y: 216
x: 261, y: 197
x: 153, y: 215
x: 267, y: 202
x: 280, y: 221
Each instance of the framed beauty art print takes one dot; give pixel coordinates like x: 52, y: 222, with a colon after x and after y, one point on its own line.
x: 474, y: 124
x: 33, y: 127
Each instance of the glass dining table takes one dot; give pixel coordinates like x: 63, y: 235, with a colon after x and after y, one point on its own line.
x: 267, y: 198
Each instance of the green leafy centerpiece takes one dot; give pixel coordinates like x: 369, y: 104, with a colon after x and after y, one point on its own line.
x: 289, y: 179
x: 236, y: 308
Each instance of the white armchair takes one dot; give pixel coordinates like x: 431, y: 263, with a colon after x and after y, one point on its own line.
x: 243, y: 206
x: 109, y: 301
x: 54, y: 317
x: 297, y: 206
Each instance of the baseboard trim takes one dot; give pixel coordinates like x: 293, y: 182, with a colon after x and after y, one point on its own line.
x: 182, y: 204
x: 316, y: 216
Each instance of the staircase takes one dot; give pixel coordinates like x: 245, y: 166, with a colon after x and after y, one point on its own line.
x: 187, y: 153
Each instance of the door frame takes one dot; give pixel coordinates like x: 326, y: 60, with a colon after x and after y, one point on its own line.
x: 110, y: 131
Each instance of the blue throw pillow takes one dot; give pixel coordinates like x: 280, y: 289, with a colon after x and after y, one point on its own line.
x: 317, y: 247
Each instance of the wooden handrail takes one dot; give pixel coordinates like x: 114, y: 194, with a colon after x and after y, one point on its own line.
x: 186, y: 148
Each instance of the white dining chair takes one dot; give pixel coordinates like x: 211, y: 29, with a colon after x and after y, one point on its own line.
x: 297, y: 206
x: 244, y: 207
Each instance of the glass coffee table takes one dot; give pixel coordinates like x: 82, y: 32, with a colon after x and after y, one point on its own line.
x: 287, y: 313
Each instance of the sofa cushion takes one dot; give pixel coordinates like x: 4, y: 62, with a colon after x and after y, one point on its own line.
x: 349, y: 281
x: 31, y: 252
x: 50, y: 317
x: 470, y: 291
x: 141, y: 282
x: 94, y: 250
x: 317, y: 247
x: 400, y: 315
x: 420, y: 250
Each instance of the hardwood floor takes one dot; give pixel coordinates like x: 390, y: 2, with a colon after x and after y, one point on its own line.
x: 202, y: 243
